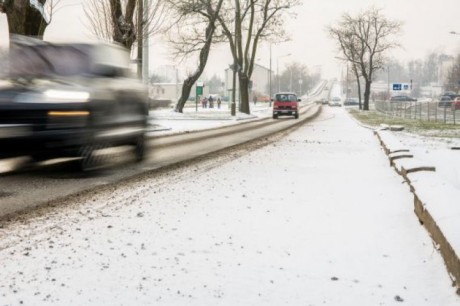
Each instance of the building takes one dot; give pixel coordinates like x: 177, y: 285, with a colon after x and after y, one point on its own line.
x: 171, y: 91
x: 260, y: 82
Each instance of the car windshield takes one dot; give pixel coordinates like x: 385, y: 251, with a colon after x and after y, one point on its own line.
x: 286, y: 97
x: 44, y: 61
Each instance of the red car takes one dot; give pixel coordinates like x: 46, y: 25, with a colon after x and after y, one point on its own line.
x: 456, y: 103
x: 286, y: 104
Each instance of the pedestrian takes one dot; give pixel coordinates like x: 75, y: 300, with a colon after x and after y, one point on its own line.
x: 218, y: 102
x: 211, y: 102
x: 255, y: 99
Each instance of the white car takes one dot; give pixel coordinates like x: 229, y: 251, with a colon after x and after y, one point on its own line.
x: 335, y: 101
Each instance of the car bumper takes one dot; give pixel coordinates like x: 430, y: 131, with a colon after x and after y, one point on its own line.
x: 285, y: 112
x: 24, y: 140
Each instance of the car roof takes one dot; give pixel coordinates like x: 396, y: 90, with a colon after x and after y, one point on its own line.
x: 285, y: 93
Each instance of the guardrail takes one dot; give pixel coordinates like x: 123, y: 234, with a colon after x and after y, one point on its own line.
x: 427, y: 111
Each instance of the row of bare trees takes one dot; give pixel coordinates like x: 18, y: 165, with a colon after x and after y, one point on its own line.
x: 243, y: 24
x: 363, y: 41
x: 453, y: 77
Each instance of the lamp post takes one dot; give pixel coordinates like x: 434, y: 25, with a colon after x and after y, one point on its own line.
x: 270, y: 79
x: 277, y: 68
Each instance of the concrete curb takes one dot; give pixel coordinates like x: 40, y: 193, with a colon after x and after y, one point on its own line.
x: 434, y: 201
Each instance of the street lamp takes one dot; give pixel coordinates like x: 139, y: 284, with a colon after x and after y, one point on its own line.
x: 277, y: 68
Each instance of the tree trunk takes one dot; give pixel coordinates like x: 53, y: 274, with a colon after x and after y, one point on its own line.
x: 124, y: 31
x: 367, y: 94
x: 186, y: 89
x: 204, y: 54
x: 359, y: 92
x: 244, y: 93
x: 24, y: 19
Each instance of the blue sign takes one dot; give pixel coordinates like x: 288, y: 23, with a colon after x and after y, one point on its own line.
x: 397, y: 86
x: 406, y: 87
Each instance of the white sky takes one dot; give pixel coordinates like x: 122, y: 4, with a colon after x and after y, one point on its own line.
x: 426, y: 28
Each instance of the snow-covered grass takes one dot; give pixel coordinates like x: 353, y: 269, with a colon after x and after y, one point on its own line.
x: 426, y: 128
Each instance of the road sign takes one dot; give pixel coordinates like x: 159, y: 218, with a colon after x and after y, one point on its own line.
x: 199, y: 88
x: 401, y: 86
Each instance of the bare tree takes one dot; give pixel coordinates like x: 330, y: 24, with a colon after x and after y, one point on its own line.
x: 246, y: 23
x: 116, y: 20
x: 453, y: 78
x: 28, y: 17
x: 297, y: 77
x: 196, y: 22
x: 364, y: 39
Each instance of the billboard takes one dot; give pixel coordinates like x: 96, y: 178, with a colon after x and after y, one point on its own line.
x: 400, y: 86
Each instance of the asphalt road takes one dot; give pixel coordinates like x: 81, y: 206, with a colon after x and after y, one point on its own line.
x: 50, y: 183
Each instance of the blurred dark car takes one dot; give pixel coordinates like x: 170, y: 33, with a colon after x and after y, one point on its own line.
x: 402, y: 99
x: 447, y: 99
x: 351, y: 101
x: 68, y: 100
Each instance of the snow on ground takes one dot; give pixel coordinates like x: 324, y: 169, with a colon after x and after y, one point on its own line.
x: 435, y: 152
x: 166, y: 121
x: 317, y: 218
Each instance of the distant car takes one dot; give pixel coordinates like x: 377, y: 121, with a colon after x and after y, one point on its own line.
x: 402, y: 99
x: 263, y: 98
x: 447, y: 99
x: 456, y: 103
x: 351, y: 101
x: 335, y: 101
x: 68, y: 100
x: 286, y: 104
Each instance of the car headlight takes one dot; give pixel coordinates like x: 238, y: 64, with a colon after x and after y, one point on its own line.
x: 67, y: 96
x: 54, y: 96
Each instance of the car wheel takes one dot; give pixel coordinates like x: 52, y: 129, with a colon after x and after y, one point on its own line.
x: 275, y: 116
x: 88, y: 160
x: 296, y: 116
x: 139, y: 148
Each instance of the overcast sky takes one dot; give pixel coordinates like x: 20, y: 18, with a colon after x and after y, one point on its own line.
x: 426, y: 28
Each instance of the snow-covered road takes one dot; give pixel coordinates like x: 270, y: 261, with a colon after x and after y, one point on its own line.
x: 317, y: 218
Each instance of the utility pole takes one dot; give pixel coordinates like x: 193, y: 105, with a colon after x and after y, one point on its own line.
x: 270, y: 78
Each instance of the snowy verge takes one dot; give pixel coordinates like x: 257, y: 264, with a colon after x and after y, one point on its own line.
x: 435, y: 201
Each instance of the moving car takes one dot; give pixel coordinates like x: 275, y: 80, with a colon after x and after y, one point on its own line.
x: 335, y: 101
x: 351, y: 101
x: 286, y: 104
x: 402, y: 99
x: 68, y: 100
